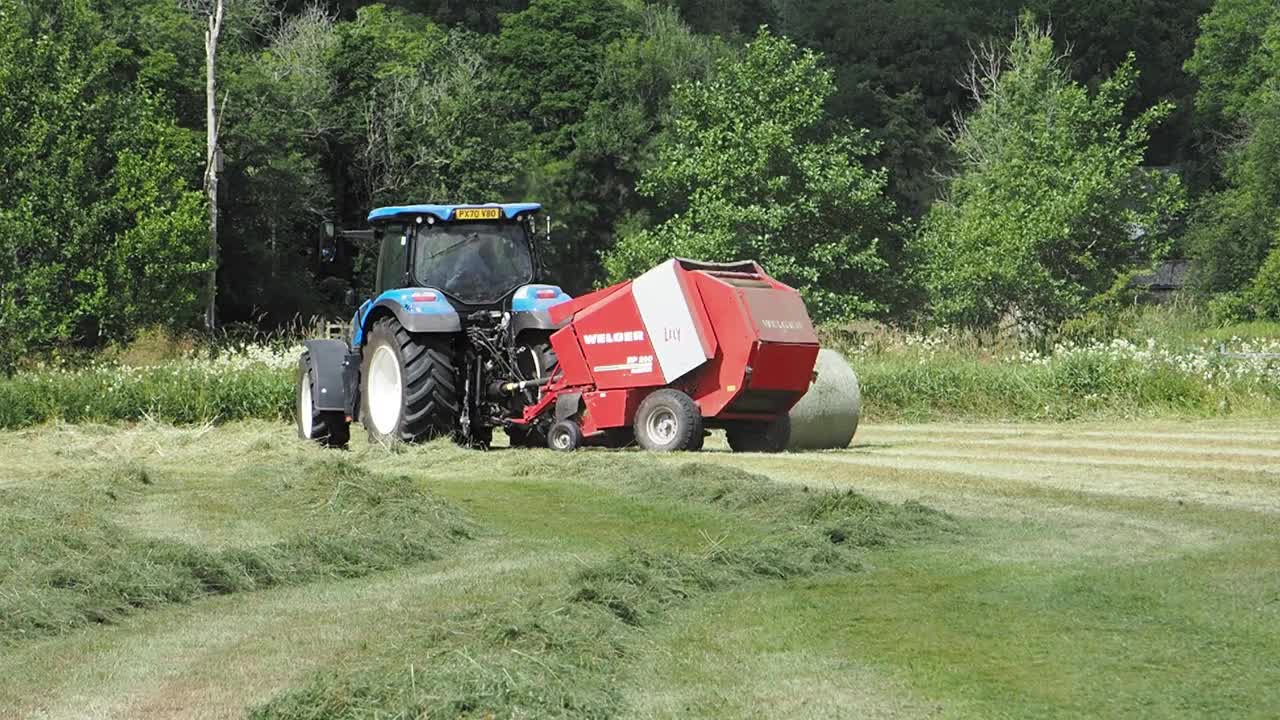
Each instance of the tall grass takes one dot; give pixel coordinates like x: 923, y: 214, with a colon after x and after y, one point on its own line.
x: 186, y: 391
x: 944, y: 376
x: 66, y: 563
x: 1157, y: 363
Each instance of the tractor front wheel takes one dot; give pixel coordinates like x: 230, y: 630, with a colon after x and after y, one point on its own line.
x: 328, y: 428
x: 408, y: 385
x: 668, y: 421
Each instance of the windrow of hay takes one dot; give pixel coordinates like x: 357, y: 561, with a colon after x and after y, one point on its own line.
x: 560, y: 653
x: 65, y: 563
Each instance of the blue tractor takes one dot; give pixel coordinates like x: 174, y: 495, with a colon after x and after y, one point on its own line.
x: 453, y: 343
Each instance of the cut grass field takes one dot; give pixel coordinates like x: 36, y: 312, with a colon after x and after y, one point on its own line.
x: 950, y: 571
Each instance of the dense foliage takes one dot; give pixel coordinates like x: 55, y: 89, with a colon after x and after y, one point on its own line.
x: 742, y: 172
x: 1236, y: 236
x: 1050, y: 206
x: 819, y: 145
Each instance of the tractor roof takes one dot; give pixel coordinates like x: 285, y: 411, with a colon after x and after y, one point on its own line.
x: 445, y: 212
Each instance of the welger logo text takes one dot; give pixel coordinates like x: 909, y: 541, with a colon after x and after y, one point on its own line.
x: 783, y: 324
x: 612, y: 338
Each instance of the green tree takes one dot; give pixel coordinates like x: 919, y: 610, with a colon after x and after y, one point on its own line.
x: 1051, y: 206
x: 614, y: 141
x: 100, y: 229
x: 1235, y: 230
x: 550, y: 58
x: 745, y: 170
x: 277, y: 188
x: 550, y: 55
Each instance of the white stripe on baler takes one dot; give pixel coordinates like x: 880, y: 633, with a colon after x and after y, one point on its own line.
x: 668, y: 321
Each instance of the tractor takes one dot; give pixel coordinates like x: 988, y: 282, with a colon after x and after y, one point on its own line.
x: 455, y: 307
x: 460, y: 339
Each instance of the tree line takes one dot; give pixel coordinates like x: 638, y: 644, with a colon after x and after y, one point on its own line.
x: 931, y: 161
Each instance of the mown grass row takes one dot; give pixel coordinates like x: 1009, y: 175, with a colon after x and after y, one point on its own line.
x: 561, y: 653
x: 66, y: 562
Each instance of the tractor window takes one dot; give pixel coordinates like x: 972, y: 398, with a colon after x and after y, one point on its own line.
x: 392, y: 257
x: 477, y: 263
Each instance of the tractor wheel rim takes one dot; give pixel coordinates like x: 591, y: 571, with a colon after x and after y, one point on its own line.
x: 305, y: 415
x: 662, y: 426
x: 562, y: 441
x: 386, y: 390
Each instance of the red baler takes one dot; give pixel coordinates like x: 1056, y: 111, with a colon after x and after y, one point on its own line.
x: 684, y: 347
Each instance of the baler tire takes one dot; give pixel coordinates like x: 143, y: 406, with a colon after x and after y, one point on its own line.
x: 771, y: 437
x: 684, y: 430
x: 565, y: 436
x: 429, y: 399
x: 327, y: 428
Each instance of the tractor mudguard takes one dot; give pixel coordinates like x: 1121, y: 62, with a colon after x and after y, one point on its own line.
x: 416, y: 321
x: 534, y: 320
x: 531, y: 308
x: 325, y: 359
x: 418, y: 310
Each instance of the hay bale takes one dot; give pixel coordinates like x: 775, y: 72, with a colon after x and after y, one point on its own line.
x: 827, y: 417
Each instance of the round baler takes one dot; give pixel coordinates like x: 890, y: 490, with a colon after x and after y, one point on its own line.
x: 685, y: 347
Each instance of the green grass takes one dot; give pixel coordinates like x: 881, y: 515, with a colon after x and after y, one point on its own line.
x: 67, y: 562
x: 953, y: 386
x: 558, y: 654
x: 954, y: 571
x: 1178, y: 637
x: 183, y: 392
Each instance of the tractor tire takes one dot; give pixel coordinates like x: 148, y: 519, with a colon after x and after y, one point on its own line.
x: 668, y: 421
x: 325, y: 427
x: 565, y: 436
x: 408, y: 385
x: 770, y: 437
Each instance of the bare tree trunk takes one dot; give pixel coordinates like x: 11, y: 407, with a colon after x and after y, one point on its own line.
x: 212, y: 158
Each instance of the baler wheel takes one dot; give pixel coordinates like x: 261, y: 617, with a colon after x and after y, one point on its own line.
x: 409, y: 385
x: 328, y: 428
x: 565, y: 436
x: 668, y: 421
x: 771, y: 437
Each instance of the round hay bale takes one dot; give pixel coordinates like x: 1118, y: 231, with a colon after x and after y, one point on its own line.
x: 827, y: 417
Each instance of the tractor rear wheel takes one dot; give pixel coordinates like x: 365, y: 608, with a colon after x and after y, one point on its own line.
x: 326, y: 427
x: 764, y: 437
x: 668, y: 421
x: 408, y: 385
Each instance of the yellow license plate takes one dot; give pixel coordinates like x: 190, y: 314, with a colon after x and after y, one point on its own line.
x: 477, y: 214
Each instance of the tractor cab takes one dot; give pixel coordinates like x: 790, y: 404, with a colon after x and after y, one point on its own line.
x: 477, y: 256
